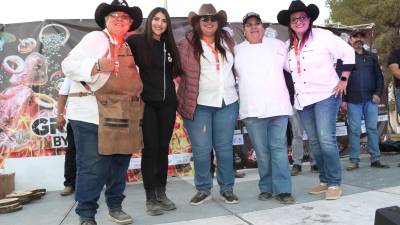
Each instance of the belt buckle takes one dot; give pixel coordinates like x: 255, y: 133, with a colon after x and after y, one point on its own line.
x: 81, y: 94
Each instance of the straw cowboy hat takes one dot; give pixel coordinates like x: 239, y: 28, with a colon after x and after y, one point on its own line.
x: 104, y: 9
x: 207, y: 10
x: 311, y: 10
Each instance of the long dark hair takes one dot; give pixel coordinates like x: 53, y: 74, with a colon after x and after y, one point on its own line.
x: 292, y: 34
x: 167, y: 37
x: 220, y: 34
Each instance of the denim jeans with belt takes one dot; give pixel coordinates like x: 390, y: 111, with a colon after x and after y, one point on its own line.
x: 319, y: 121
x: 213, y: 127
x: 94, y: 171
x: 370, y: 112
x: 268, y: 136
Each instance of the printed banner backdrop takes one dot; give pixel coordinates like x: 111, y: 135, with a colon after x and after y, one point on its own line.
x: 30, y: 77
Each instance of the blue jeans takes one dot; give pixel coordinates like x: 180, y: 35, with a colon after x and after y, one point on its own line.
x: 94, y: 171
x: 370, y: 112
x: 213, y: 127
x: 268, y: 136
x: 319, y: 121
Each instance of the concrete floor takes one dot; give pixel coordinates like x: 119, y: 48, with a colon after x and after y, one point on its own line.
x: 364, y: 191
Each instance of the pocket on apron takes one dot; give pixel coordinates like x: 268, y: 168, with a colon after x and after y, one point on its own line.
x: 120, y: 128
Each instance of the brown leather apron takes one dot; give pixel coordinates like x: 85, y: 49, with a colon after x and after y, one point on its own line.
x: 121, y: 108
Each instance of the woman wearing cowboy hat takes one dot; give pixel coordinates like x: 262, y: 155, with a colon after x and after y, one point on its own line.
x: 311, y: 54
x: 96, y: 64
x: 208, y: 101
x: 158, y: 59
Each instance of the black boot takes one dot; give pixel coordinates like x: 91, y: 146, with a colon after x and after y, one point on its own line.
x: 165, y: 202
x: 378, y: 164
x: 153, y: 207
x: 296, y: 170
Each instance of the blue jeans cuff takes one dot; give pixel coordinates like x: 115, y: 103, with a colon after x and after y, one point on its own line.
x: 84, y: 219
x: 225, y: 190
x: 207, y: 192
x: 115, y: 209
x: 354, y: 160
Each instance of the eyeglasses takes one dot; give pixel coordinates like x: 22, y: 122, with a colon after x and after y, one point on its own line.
x: 206, y: 18
x: 116, y: 16
x: 300, y: 19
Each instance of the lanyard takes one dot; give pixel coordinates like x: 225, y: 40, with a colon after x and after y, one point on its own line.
x: 297, y: 50
x: 115, y: 49
x: 214, y: 51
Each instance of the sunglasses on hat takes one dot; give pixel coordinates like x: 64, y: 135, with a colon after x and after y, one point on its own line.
x: 206, y: 18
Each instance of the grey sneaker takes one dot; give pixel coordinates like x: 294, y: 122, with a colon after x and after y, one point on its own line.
x: 165, y: 203
x: 239, y: 174
x: 229, y: 197
x: 285, y: 198
x: 199, y: 198
x: 352, y: 166
x: 120, y: 217
x: 264, y: 196
x: 88, y: 222
x: 68, y: 190
x: 153, y: 207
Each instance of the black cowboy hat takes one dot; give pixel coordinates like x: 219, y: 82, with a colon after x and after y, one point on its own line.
x: 311, y: 10
x: 135, y: 13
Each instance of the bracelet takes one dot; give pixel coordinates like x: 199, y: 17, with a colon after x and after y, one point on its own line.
x: 98, y: 66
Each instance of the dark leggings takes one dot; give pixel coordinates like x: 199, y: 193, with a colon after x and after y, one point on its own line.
x: 70, y: 159
x: 158, y: 125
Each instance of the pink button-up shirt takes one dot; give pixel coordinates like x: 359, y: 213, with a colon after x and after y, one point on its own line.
x: 318, y: 77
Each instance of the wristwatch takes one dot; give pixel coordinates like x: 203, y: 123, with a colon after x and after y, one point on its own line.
x: 343, y: 78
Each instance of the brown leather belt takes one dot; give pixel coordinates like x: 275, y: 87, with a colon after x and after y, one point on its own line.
x: 82, y: 94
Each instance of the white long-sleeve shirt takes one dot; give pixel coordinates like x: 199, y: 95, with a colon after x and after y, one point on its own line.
x: 66, y: 85
x: 216, y: 85
x: 77, y: 66
x: 318, y: 77
x: 262, y: 88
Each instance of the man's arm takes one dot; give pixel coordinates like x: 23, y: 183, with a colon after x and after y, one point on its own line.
x: 289, y: 85
x: 393, y: 63
x: 62, y: 100
x: 378, y: 78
